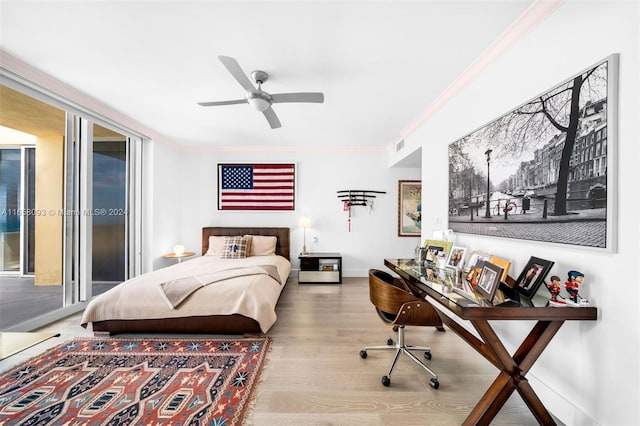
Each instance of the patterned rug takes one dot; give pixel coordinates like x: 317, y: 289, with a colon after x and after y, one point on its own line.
x: 135, y: 381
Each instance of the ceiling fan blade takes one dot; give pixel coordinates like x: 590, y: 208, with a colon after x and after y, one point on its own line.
x: 216, y: 103
x: 272, y: 118
x: 234, y: 68
x: 316, y: 97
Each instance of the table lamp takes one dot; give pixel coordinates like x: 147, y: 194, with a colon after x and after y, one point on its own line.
x: 178, y: 250
x: 305, y: 223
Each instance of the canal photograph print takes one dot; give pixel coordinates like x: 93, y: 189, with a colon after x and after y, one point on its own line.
x: 544, y: 171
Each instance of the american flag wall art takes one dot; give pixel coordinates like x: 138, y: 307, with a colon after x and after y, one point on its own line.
x: 256, y: 186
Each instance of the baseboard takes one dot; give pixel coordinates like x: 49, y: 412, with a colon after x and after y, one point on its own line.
x: 346, y: 273
x: 355, y: 273
x: 561, y: 408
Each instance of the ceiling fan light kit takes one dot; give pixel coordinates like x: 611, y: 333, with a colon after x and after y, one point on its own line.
x: 259, y: 102
x: 257, y: 98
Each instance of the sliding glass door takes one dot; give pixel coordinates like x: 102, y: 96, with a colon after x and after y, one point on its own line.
x: 68, y: 219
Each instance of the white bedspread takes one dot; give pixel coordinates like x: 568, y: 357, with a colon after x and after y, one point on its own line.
x: 253, y: 296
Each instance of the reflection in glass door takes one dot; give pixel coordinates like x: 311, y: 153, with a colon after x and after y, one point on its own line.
x: 110, y: 210
x: 17, y: 203
x: 28, y: 250
x: 10, y: 171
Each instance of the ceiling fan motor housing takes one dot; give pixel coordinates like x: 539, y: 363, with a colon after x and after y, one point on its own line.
x: 259, y: 76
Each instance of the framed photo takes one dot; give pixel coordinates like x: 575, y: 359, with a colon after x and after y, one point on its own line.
x: 409, y: 208
x: 438, y: 252
x: 474, y: 258
x: 489, y: 280
x: 456, y: 257
x: 474, y: 272
x: 532, y: 276
x: 504, y: 264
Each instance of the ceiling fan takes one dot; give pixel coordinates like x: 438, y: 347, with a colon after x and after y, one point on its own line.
x: 258, y: 98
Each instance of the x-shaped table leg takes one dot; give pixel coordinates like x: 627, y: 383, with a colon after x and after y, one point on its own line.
x: 513, y: 371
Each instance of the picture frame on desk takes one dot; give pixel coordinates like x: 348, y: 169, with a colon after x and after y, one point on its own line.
x: 456, y: 257
x: 532, y: 276
x: 473, y: 273
x: 504, y: 264
x: 437, y: 252
x: 474, y: 258
x: 489, y: 280
x: 460, y: 284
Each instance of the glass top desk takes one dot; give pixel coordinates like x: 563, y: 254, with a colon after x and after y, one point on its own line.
x: 439, y: 288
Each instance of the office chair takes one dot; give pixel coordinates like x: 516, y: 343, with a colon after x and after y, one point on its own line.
x: 397, y: 306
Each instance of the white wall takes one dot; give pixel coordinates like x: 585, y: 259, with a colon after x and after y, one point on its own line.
x: 181, y: 209
x: 162, y: 206
x: 590, y: 372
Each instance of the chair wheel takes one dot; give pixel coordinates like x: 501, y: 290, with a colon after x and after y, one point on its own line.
x: 390, y: 341
x: 386, y: 380
x: 427, y: 355
x: 434, y: 383
x: 363, y: 354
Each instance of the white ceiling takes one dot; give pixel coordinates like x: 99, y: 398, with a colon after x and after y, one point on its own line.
x: 379, y: 63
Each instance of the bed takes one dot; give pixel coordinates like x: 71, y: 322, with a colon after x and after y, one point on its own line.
x: 231, y: 305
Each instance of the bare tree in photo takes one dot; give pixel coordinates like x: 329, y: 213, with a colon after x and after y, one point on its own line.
x: 536, y: 122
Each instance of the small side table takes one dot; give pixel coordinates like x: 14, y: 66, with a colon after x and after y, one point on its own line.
x: 320, y: 268
x: 179, y: 256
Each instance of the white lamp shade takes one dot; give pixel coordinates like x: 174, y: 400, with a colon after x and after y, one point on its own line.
x: 259, y: 104
x: 178, y: 249
x: 305, y: 222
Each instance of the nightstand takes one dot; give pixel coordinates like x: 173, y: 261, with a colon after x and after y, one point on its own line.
x: 179, y: 256
x: 320, y: 268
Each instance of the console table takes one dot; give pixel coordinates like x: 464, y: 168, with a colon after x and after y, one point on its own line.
x: 478, y: 311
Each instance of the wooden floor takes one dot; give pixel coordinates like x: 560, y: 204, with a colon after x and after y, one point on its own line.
x: 315, y: 376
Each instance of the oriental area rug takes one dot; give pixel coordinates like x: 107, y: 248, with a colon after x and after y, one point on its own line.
x: 135, y: 381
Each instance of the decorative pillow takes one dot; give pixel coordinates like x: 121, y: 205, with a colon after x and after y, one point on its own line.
x: 216, y: 245
x: 235, y: 248
x: 262, y: 245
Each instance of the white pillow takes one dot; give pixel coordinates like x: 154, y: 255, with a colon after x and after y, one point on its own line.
x: 216, y: 246
x: 262, y: 245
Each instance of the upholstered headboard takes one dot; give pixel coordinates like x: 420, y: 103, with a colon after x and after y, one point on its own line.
x: 282, y: 246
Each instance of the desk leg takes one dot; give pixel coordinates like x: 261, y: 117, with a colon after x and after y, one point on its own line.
x: 513, y: 371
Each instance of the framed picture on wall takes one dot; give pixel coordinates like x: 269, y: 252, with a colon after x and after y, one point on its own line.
x: 409, y: 208
x: 553, y: 156
x: 255, y: 187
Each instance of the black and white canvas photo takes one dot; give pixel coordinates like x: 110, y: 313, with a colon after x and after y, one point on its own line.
x: 543, y: 171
